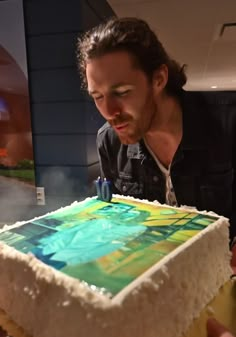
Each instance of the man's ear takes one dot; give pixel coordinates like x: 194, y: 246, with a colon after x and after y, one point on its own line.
x: 160, y: 78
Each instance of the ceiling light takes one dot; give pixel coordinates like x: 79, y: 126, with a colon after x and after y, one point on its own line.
x: 213, y: 86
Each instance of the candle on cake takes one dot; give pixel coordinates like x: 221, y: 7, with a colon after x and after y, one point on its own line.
x: 104, y: 189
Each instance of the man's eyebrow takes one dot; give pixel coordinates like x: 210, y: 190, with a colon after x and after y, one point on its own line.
x: 92, y: 92
x: 113, y: 87
x: 118, y: 85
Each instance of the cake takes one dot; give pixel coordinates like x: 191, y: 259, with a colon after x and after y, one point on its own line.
x: 112, y: 269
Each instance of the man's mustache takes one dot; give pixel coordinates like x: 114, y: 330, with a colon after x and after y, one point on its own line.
x: 119, y: 121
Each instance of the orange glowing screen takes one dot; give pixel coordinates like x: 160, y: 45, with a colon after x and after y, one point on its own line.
x: 3, y: 152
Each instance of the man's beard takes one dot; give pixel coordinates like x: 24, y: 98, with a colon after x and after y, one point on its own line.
x: 129, y: 139
x: 132, y: 135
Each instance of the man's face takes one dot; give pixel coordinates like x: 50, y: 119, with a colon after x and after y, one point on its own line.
x: 123, y: 95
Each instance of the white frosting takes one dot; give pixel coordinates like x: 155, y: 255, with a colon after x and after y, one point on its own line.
x: 160, y: 303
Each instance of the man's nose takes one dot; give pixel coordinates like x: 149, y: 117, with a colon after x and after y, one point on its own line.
x: 110, y: 108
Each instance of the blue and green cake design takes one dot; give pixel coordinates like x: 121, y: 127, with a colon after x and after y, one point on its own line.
x: 107, y: 245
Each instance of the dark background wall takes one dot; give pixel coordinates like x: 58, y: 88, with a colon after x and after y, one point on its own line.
x: 64, y: 119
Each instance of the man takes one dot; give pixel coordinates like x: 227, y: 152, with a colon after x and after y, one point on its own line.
x: 160, y: 142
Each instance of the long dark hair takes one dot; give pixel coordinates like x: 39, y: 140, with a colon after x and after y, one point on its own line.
x: 134, y: 36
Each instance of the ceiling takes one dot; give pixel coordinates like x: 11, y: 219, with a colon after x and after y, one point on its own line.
x: 193, y: 33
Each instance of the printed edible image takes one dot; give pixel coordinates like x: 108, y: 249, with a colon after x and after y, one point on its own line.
x: 107, y: 245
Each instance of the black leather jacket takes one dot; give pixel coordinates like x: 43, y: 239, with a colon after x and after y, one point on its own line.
x: 202, y: 169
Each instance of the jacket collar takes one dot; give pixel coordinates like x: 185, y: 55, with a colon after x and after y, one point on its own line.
x: 137, y: 151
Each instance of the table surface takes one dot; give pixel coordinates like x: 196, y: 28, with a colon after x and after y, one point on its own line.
x: 223, y: 308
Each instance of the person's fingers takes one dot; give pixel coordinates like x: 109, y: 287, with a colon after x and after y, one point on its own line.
x: 216, y: 329
x: 2, y: 333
